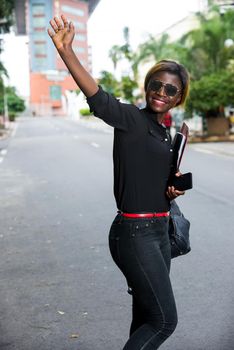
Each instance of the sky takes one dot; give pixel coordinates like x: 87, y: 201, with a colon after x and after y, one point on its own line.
x: 106, y: 24
x: 105, y: 29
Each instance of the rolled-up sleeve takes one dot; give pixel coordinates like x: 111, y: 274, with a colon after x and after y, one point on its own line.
x: 109, y: 109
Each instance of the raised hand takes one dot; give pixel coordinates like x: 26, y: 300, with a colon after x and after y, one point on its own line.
x: 63, y: 33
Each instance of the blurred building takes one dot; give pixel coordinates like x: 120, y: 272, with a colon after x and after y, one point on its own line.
x: 49, y: 77
x: 190, y: 22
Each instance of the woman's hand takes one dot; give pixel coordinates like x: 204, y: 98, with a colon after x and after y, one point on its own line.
x: 173, y: 193
x: 63, y: 33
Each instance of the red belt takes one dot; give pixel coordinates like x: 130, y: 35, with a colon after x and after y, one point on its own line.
x: 145, y: 215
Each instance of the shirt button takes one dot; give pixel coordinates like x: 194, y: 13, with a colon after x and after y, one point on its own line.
x: 171, y: 150
x: 166, y: 139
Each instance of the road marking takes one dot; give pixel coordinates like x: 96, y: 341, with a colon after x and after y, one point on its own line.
x: 94, y: 144
x: 216, y: 152
x: 203, y: 150
x: 3, y: 152
x: 214, y: 196
x: 14, y: 130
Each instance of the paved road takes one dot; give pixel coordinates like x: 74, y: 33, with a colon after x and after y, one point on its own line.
x: 59, y: 287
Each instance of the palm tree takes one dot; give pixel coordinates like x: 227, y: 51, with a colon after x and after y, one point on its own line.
x: 206, y: 50
x: 119, y: 52
x: 154, y: 50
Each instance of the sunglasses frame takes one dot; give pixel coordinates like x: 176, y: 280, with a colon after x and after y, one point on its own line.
x: 165, y: 85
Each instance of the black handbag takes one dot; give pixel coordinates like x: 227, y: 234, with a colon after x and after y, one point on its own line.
x: 178, y: 231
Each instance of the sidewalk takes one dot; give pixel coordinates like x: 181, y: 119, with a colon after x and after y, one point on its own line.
x: 5, y: 134
x: 199, y: 139
x: 223, y: 145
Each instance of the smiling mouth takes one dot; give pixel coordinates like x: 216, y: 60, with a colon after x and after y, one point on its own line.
x: 159, y: 102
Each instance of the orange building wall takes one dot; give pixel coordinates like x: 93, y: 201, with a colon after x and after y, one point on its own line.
x: 40, y: 100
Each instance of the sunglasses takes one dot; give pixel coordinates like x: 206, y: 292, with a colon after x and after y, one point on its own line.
x: 156, y: 85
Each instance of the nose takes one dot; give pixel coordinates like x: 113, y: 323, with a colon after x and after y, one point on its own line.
x: 161, y: 91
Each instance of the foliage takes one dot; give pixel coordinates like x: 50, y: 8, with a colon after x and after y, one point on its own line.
x: 3, y: 72
x: 211, y: 92
x: 206, y: 50
x: 15, y: 103
x: 154, y: 50
x: 85, y: 112
x: 109, y: 83
x: 120, y: 52
x: 123, y: 88
x: 6, y: 9
x: 127, y: 87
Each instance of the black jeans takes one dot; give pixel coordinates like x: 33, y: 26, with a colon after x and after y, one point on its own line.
x: 141, y: 249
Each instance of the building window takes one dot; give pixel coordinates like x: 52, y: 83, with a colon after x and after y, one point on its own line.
x: 40, y: 61
x: 39, y: 22
x: 72, y: 10
x: 81, y: 37
x: 55, y: 92
x: 39, y: 36
x: 79, y: 25
x: 38, y: 9
x: 40, y: 48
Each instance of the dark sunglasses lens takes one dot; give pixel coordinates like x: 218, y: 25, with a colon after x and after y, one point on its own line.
x: 155, y: 85
x: 171, y: 90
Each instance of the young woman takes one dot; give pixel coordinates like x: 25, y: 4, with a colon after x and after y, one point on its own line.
x: 138, y: 238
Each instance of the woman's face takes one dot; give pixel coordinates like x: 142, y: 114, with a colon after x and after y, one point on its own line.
x: 159, y: 96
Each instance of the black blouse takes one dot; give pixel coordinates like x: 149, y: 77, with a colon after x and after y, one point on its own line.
x: 142, y: 154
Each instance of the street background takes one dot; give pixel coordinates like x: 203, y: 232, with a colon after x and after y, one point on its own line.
x: 59, y: 286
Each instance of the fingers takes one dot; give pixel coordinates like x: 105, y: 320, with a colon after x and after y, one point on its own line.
x: 51, y: 34
x: 65, y: 21
x: 61, y: 25
x: 57, y: 24
x: 71, y: 27
x: 179, y: 193
x: 54, y: 25
x: 172, y: 193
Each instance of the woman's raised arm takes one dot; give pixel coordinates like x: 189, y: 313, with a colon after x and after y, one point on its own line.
x: 62, y: 36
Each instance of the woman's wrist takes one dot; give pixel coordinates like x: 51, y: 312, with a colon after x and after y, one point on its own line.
x: 66, y: 51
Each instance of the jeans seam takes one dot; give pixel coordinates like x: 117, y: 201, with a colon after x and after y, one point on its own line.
x: 163, y: 316
x: 149, y: 340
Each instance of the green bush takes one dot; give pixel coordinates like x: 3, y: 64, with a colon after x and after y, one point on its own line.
x: 85, y: 112
x: 12, y: 116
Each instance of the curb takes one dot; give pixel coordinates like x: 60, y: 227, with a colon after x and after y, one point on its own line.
x: 6, y: 133
x: 206, y: 139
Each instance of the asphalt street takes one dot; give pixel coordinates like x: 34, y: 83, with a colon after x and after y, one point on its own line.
x: 59, y: 286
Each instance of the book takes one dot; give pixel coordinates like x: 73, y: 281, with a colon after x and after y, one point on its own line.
x: 178, y: 145
x: 184, y: 181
